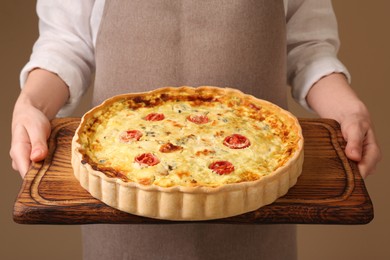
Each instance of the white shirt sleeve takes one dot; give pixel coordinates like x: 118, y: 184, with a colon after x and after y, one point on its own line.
x: 312, y: 45
x: 64, y: 46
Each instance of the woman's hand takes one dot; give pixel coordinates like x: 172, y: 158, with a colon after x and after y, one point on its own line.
x: 30, y: 131
x: 362, y: 147
x: 332, y: 97
x: 41, y: 98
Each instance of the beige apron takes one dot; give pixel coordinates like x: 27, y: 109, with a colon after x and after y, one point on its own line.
x: 146, y: 44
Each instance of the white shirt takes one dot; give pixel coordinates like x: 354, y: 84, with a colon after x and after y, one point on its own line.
x: 68, y: 30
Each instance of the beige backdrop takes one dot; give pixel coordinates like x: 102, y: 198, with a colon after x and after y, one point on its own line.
x: 365, y: 46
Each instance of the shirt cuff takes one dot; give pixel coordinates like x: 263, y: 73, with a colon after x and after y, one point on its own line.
x: 70, y: 76
x: 312, y: 73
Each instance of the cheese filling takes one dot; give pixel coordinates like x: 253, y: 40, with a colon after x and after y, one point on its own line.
x: 185, y: 149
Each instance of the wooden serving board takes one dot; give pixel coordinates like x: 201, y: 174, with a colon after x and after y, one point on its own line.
x: 329, y: 191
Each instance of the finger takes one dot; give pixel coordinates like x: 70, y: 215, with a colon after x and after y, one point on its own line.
x: 22, y: 161
x: 14, y: 166
x: 38, y: 134
x: 371, y: 155
x: 354, y: 136
x: 20, y: 150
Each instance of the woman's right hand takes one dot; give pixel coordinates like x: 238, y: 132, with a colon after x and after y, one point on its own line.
x: 42, y: 97
x: 30, y: 131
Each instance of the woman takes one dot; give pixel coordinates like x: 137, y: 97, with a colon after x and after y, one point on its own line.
x: 140, y: 45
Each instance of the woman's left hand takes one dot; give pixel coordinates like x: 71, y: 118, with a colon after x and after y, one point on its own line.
x: 332, y: 97
x: 361, y: 146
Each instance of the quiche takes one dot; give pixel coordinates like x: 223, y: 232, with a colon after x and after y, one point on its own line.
x: 184, y: 153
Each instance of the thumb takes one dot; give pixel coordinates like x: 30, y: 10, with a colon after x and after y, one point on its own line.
x: 355, y: 138
x: 38, y: 137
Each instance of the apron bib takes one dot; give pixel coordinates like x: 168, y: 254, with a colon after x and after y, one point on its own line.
x: 147, y: 44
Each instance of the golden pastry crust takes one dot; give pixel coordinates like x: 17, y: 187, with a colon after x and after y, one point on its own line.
x: 196, y: 153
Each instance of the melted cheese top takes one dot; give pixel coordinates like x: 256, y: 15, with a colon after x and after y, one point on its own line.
x: 272, y: 141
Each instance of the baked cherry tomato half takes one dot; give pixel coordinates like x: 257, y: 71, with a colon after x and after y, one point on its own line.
x: 154, y: 117
x: 130, y: 136
x: 198, y: 119
x: 222, y: 167
x: 147, y: 159
x: 236, y: 141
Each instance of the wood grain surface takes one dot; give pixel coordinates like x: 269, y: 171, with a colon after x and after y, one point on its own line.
x: 329, y: 191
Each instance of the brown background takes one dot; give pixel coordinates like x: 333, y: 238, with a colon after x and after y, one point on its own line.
x: 365, y: 37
